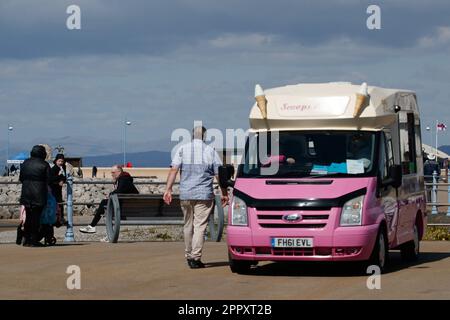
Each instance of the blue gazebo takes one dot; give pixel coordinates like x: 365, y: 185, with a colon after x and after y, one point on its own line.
x: 18, y: 158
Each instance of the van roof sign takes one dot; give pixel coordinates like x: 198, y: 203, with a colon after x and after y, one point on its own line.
x: 292, y: 106
x: 330, y: 105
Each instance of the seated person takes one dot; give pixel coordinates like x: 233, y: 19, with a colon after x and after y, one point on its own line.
x: 360, y: 148
x: 123, y: 184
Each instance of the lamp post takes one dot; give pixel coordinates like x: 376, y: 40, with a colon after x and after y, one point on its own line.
x: 125, y: 124
x: 436, y: 131
x: 10, y: 129
x: 431, y: 137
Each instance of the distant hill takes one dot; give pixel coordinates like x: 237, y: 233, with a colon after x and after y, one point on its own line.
x: 138, y: 159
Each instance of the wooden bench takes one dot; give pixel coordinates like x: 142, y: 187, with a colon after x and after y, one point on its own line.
x: 150, y: 209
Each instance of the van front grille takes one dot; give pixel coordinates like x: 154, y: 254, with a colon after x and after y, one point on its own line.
x: 294, y: 225
x: 274, y: 219
x: 304, y: 217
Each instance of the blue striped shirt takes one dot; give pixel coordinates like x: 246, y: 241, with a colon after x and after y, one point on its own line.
x: 198, y: 164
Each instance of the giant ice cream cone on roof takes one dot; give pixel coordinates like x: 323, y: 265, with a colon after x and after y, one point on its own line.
x: 361, y: 99
x: 261, y: 100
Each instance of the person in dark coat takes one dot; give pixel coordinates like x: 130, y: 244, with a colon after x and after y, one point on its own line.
x: 123, y: 184
x: 35, y: 177
x: 58, y: 178
x: 430, y: 166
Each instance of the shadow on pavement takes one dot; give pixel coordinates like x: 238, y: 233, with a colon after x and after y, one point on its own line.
x: 342, y: 269
x: 397, y: 264
x: 216, y: 264
x: 68, y: 244
x: 310, y: 269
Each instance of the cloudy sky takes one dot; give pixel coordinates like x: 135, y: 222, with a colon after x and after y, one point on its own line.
x: 164, y: 63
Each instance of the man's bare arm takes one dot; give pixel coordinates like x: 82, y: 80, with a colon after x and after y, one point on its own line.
x: 224, y: 196
x: 169, y: 184
x: 171, y: 178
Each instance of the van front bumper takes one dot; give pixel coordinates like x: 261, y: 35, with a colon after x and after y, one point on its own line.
x: 338, y: 244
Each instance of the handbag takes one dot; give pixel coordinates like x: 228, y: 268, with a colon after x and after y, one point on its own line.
x: 20, y: 234
x: 20, y: 227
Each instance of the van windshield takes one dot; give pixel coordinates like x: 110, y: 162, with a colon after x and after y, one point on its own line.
x: 309, y: 154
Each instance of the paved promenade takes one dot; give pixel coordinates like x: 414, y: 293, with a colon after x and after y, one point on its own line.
x: 157, y: 270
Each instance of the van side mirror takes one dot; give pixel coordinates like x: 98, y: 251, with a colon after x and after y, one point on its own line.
x: 395, y: 173
x: 226, y: 172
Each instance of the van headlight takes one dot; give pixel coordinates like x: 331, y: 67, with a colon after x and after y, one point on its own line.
x: 238, y: 212
x: 352, y: 212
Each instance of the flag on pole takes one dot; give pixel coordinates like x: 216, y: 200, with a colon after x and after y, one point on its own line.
x: 441, y: 126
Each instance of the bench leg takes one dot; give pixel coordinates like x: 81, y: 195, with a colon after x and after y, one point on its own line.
x: 113, y: 219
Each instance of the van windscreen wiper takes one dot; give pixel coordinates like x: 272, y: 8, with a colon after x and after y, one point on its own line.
x: 293, y: 174
x: 338, y: 174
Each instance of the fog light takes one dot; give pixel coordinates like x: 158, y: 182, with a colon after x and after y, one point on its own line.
x: 350, y: 251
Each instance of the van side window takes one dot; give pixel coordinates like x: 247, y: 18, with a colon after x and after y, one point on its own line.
x: 390, y: 149
x: 383, y: 164
x: 408, y: 142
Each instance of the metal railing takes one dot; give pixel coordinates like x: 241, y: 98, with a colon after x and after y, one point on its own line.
x: 432, y: 190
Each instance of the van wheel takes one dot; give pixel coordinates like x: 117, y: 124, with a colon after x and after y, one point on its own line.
x: 239, y: 266
x: 380, y: 253
x: 410, y: 250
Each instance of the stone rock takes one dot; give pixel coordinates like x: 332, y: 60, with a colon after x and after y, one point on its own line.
x: 4, y: 213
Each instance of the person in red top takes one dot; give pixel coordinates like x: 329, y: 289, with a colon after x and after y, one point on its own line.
x: 123, y: 183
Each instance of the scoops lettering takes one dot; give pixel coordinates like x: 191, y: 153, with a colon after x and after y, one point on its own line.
x: 288, y: 106
x: 297, y: 107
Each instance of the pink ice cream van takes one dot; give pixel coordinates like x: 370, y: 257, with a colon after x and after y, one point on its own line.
x: 330, y: 172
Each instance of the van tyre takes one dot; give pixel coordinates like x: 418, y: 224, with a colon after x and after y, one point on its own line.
x: 380, y: 253
x: 410, y: 250
x: 239, y: 266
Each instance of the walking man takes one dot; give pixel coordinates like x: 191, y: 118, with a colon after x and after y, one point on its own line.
x: 198, y: 163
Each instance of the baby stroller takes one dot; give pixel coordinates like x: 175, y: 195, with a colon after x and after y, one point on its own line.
x: 49, y: 216
x: 48, y: 219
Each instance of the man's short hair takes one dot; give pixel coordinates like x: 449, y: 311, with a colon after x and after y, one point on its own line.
x: 118, y: 167
x: 199, y: 132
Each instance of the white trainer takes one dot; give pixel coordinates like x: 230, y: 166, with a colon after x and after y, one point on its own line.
x: 105, y: 239
x: 88, y: 229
